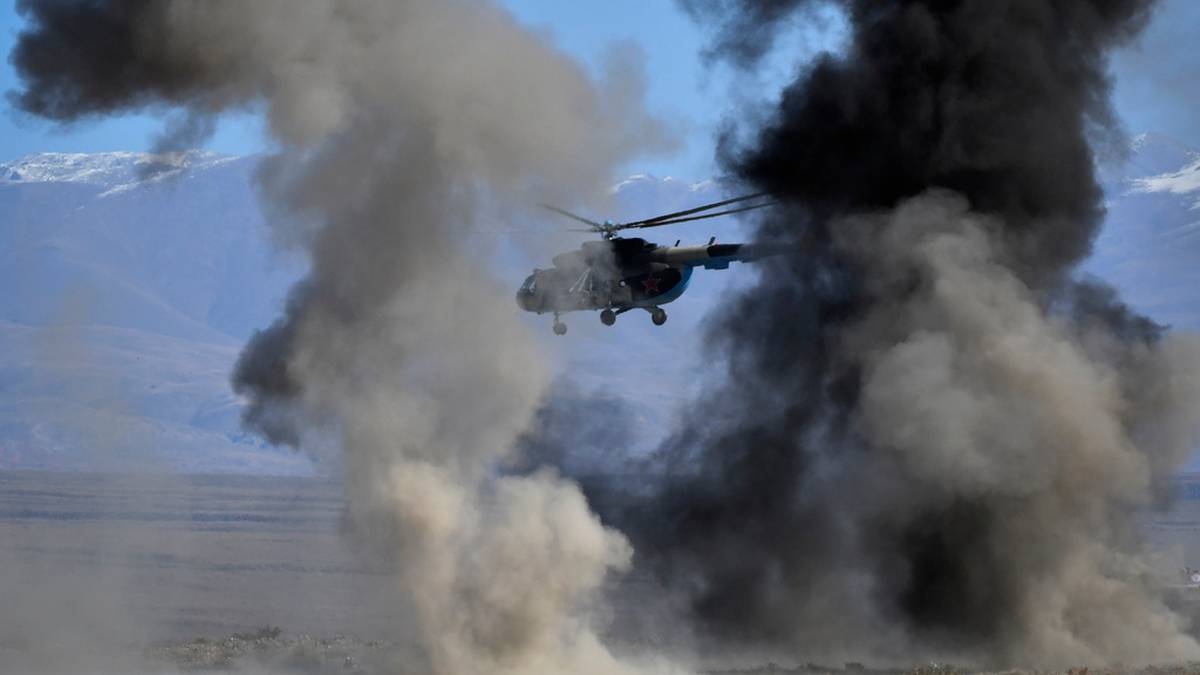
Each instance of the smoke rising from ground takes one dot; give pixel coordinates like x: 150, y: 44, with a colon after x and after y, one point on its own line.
x: 580, y: 433
x: 931, y: 442
x: 400, y: 124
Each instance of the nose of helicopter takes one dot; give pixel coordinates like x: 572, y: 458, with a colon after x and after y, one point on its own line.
x: 525, y: 300
x: 527, y: 296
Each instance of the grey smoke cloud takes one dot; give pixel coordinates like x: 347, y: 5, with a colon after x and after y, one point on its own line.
x: 400, y: 125
x: 580, y: 433
x: 985, y: 401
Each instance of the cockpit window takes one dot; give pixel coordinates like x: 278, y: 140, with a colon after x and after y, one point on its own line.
x: 530, y: 284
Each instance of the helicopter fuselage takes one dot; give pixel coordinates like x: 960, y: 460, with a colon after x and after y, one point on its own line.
x: 560, y: 291
x: 620, y: 274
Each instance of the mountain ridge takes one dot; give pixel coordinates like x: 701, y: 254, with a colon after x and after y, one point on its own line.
x: 139, y: 276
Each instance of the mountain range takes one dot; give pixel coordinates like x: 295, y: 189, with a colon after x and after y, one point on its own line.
x: 132, y: 280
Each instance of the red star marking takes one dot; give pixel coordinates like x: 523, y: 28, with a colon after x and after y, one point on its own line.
x: 650, y: 283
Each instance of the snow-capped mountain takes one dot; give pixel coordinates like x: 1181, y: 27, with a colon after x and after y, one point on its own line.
x: 1154, y: 154
x: 645, y: 190
x: 116, y: 171
x: 1185, y: 181
x: 1150, y: 244
x: 132, y: 281
x: 182, y: 252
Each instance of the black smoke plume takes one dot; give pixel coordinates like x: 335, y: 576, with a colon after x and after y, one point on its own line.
x: 931, y: 441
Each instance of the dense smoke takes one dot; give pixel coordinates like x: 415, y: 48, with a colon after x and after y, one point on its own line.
x: 399, y: 125
x: 581, y: 433
x: 931, y: 441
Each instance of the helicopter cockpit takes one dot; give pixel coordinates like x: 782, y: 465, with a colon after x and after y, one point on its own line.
x: 527, y: 295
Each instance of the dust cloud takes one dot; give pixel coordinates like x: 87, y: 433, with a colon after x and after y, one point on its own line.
x: 931, y: 441
x: 399, y: 126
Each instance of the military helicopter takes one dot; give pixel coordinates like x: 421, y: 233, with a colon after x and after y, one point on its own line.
x: 618, y: 274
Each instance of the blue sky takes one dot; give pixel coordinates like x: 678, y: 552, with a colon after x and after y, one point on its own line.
x: 1155, y: 80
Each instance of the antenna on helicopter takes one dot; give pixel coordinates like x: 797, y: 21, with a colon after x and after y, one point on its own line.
x: 609, y: 229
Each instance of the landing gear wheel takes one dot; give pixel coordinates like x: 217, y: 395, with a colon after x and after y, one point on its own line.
x: 560, y: 328
x: 608, y: 317
x: 658, y: 316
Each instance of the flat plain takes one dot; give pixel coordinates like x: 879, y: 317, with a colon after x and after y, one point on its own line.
x: 217, y: 571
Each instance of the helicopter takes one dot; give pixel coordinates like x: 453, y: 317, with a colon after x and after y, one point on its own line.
x: 619, y: 274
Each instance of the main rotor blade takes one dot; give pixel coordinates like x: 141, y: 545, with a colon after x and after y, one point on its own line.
x: 687, y: 212
x: 707, y: 215
x: 572, y: 216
